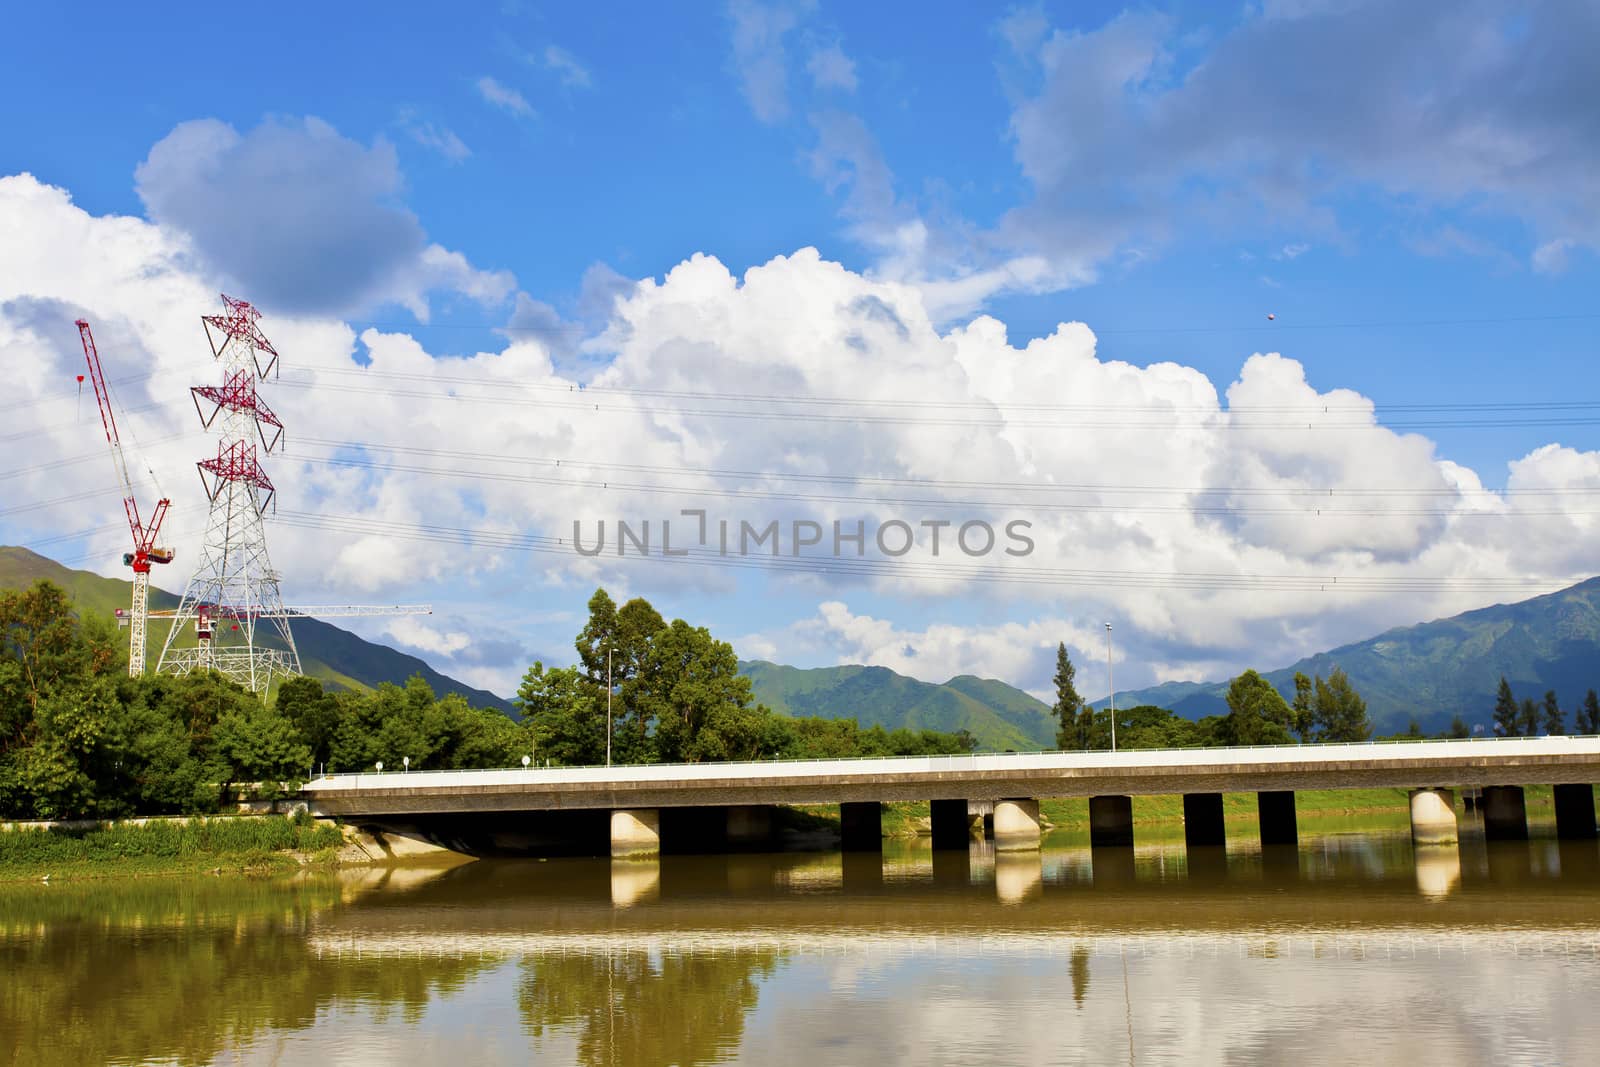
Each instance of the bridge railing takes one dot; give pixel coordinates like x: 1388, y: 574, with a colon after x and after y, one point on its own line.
x: 964, y: 760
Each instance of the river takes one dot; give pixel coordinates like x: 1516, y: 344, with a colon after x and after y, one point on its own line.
x: 1351, y: 949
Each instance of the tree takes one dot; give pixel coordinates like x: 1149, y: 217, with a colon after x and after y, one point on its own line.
x: 1507, y: 721
x: 312, y: 711
x: 563, y: 714
x: 1528, y: 718
x: 1303, y: 722
x: 1257, y: 713
x: 1068, y: 703
x: 1590, y: 716
x: 1339, y: 711
x: 613, y: 647
x: 1458, y: 728
x: 1555, y: 720
x: 698, y: 699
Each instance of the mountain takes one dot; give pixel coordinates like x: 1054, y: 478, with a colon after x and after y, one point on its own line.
x: 335, y: 656
x: 1439, y: 669
x: 999, y: 716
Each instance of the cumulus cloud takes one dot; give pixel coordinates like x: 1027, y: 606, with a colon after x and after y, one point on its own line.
x: 1198, y: 517
x: 505, y: 98
x: 1129, y: 127
x: 301, y: 218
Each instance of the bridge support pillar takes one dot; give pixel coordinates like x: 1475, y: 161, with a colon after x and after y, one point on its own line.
x: 1016, y: 825
x: 1575, y: 812
x: 1203, y: 825
x: 861, y: 826
x: 1111, y: 822
x: 1505, y: 813
x: 950, y: 823
x: 1276, y: 811
x: 1433, y: 817
x: 749, y: 826
x: 635, y: 832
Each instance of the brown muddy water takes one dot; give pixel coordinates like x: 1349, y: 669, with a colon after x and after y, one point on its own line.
x: 1351, y: 949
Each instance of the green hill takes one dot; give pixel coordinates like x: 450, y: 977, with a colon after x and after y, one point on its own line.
x: 999, y: 716
x: 326, y: 652
x: 1439, y: 669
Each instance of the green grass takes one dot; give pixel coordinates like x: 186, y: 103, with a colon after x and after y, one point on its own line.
x: 257, y: 842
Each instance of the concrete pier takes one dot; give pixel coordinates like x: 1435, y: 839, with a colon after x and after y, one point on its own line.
x: 950, y: 823
x: 861, y: 826
x: 1016, y: 825
x: 1203, y: 825
x: 1276, y: 811
x: 1505, y: 813
x: 1111, y: 822
x: 1433, y: 817
x: 1575, y: 812
x: 635, y: 832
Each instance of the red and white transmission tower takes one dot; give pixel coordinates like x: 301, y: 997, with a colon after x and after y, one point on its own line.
x: 144, y: 551
x: 234, y: 583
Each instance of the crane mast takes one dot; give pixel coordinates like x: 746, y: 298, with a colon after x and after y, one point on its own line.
x: 145, y: 553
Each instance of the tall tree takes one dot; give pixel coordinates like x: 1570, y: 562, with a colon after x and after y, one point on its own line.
x: 1528, y: 718
x: 698, y: 699
x: 1257, y: 713
x: 1304, y: 720
x: 1340, y: 712
x: 1591, y: 713
x: 1459, y: 728
x: 1507, y: 720
x: 1555, y: 720
x: 564, y: 716
x: 1068, y: 703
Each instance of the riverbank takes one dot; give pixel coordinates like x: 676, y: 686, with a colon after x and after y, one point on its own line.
x: 229, y: 844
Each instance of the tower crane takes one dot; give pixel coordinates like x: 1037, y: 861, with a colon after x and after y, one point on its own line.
x: 145, y: 553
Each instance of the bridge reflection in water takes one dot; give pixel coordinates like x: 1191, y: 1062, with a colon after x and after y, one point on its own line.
x: 1355, y: 947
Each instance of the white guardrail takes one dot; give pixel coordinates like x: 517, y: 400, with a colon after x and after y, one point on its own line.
x: 1366, y: 752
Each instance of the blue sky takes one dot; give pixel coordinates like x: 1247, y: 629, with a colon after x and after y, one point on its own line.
x: 1407, y: 190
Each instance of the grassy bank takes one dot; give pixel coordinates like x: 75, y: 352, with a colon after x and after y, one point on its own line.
x: 1156, y: 817
x: 161, y: 846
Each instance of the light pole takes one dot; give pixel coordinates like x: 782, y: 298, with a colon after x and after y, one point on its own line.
x: 1111, y: 684
x: 608, y: 705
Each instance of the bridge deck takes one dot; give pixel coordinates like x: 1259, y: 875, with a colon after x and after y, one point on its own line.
x: 1476, y: 762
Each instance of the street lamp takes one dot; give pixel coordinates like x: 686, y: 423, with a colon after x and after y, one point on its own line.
x: 1111, y: 684
x: 608, y: 705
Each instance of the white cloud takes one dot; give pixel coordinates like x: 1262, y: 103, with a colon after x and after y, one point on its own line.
x: 1133, y: 477
x: 760, y: 58
x: 505, y: 98
x: 1132, y: 129
x: 440, y: 139
x: 830, y: 68
x: 565, y: 65
x: 419, y: 635
x: 1551, y: 257
x: 301, y: 217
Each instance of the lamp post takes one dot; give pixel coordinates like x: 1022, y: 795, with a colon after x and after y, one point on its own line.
x: 608, y: 705
x: 1111, y: 685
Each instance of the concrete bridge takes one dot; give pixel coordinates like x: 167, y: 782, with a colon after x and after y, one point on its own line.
x: 688, y: 807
